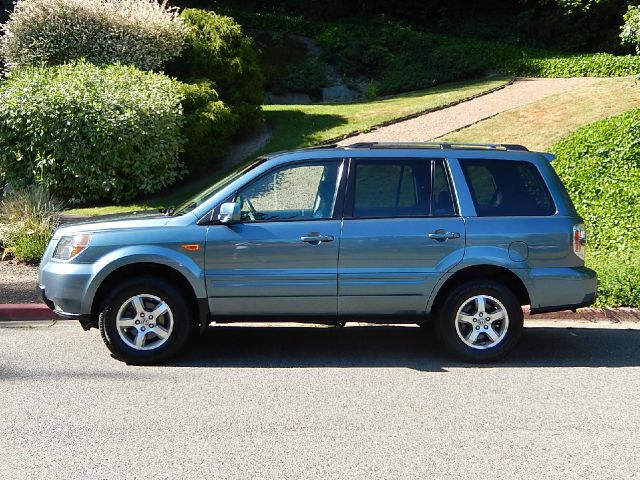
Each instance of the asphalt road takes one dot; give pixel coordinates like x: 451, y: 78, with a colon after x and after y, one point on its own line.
x: 292, y: 403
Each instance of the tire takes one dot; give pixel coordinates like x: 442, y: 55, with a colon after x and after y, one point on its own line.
x: 128, y: 328
x: 462, y: 326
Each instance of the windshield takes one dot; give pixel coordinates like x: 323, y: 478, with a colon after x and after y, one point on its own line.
x: 202, y: 197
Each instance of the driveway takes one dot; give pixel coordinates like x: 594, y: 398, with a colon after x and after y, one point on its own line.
x: 286, y: 402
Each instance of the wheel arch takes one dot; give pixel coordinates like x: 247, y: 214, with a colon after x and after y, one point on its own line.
x: 197, y: 306
x: 481, y: 272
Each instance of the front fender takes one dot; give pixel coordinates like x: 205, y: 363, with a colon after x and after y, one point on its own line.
x: 130, y: 255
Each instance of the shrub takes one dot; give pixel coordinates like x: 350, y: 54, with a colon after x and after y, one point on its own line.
x: 600, y: 167
x: 209, y: 124
x: 90, y: 133
x: 630, y: 33
x: 27, y: 220
x: 29, y: 246
x: 400, y: 58
x: 144, y: 33
x: 307, y: 76
x: 618, y: 280
x: 216, y: 49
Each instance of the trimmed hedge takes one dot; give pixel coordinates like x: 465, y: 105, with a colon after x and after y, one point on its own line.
x: 90, y: 133
x: 600, y: 167
x: 143, y: 33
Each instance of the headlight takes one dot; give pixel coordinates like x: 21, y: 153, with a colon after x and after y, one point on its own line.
x: 69, y: 247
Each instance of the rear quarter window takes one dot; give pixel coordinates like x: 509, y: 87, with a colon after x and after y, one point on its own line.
x: 507, y: 188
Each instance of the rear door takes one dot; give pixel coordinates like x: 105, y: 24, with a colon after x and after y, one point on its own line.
x: 401, y: 232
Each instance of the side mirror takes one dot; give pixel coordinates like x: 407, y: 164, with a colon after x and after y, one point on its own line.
x: 229, y: 213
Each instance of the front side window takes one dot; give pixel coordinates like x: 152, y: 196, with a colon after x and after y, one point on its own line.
x: 296, y: 192
x: 507, y: 188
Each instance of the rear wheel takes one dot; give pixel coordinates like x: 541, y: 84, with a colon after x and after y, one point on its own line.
x: 145, y: 320
x: 480, y: 321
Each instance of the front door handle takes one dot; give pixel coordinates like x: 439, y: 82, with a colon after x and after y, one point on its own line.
x: 443, y: 235
x: 317, y: 239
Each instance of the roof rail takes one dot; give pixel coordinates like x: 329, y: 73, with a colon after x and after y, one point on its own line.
x: 440, y: 145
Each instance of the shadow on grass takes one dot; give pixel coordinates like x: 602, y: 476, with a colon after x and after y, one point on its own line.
x: 293, y: 128
x: 406, y: 347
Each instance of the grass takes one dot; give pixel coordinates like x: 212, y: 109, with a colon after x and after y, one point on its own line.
x: 296, y: 126
x: 541, y: 124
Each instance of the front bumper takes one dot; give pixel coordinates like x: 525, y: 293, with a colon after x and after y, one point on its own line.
x: 556, y: 289
x: 85, y: 320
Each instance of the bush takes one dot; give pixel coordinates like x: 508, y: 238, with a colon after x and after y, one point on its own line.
x: 143, y: 33
x: 27, y: 220
x: 600, y: 167
x: 618, y: 280
x: 29, y: 246
x: 217, y: 50
x: 630, y: 33
x: 400, y: 58
x: 90, y: 133
x: 307, y: 76
x: 209, y: 124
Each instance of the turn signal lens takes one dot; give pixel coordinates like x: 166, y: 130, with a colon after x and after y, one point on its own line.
x: 69, y: 247
x: 579, y: 240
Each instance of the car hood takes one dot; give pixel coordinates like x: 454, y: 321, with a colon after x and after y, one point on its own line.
x: 118, y: 221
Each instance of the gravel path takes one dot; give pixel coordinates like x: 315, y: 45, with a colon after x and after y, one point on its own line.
x: 18, y: 282
x: 436, y: 124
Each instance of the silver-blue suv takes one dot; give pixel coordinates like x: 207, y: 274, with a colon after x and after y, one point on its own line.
x: 453, y: 237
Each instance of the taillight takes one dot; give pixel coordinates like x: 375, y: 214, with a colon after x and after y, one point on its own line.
x: 579, y: 240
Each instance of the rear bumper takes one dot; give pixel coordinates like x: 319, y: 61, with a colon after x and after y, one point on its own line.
x: 556, y: 289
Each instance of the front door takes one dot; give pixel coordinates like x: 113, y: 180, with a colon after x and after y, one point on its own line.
x: 281, y: 259
x: 401, y: 233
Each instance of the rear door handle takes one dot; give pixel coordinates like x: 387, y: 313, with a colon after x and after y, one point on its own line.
x: 317, y: 239
x: 443, y: 235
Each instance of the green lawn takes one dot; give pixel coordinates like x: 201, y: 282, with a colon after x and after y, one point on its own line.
x: 295, y: 126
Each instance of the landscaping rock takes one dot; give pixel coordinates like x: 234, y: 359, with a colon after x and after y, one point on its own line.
x: 287, y: 99
x: 338, y: 93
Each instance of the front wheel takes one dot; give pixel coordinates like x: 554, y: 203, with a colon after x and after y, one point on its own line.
x: 480, y: 321
x: 145, y: 320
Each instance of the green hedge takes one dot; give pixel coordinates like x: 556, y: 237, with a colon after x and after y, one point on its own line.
x: 90, y: 133
x: 600, y: 167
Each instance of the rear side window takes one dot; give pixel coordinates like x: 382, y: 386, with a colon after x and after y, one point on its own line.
x: 391, y: 189
x: 399, y: 188
x: 507, y: 188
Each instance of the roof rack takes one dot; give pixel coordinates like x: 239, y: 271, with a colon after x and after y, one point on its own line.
x: 440, y: 146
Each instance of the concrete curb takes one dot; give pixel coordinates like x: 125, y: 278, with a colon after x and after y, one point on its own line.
x: 26, y: 312
x: 621, y: 314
